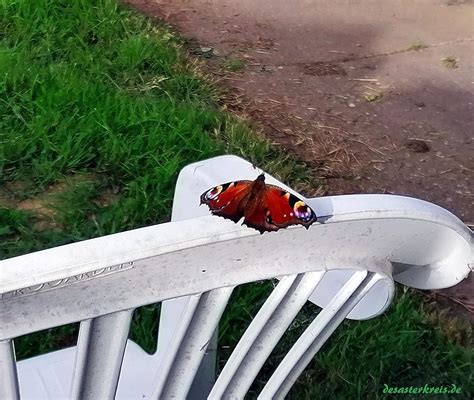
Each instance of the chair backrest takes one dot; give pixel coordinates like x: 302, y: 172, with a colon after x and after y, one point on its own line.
x: 346, y: 265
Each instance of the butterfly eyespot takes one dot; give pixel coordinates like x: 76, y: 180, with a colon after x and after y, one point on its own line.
x: 302, y: 211
x: 213, y: 193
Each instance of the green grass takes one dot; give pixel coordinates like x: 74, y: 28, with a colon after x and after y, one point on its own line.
x: 93, y: 89
x: 402, y: 348
x: 99, y: 110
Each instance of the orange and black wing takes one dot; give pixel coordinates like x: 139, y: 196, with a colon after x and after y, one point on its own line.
x: 227, y: 200
x: 258, y: 218
x: 279, y: 209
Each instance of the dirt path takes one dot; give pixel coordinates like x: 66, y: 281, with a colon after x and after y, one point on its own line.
x: 379, y: 98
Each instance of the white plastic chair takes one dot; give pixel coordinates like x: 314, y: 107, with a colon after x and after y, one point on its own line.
x: 346, y: 265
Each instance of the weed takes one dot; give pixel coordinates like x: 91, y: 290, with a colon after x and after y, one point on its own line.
x: 450, y: 62
x: 417, y: 47
x: 235, y: 64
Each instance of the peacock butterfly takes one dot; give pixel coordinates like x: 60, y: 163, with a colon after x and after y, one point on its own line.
x: 264, y: 207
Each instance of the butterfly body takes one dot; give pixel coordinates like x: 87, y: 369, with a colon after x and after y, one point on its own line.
x: 263, y: 207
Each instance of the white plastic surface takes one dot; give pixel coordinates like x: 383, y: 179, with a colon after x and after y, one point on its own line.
x: 427, y: 246
x: 449, y: 231
x: 49, y: 376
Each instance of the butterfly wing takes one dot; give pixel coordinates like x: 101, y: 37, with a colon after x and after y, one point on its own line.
x: 226, y: 200
x: 258, y: 219
x: 265, y: 207
x: 285, y: 209
x: 276, y: 209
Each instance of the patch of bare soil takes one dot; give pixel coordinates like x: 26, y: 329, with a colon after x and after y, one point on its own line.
x: 44, y: 206
x: 360, y: 92
x: 38, y: 206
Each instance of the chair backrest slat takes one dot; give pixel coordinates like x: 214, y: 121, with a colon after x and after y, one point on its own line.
x: 261, y: 337
x: 99, y: 356
x: 317, y: 333
x: 9, y: 388
x: 183, y: 358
